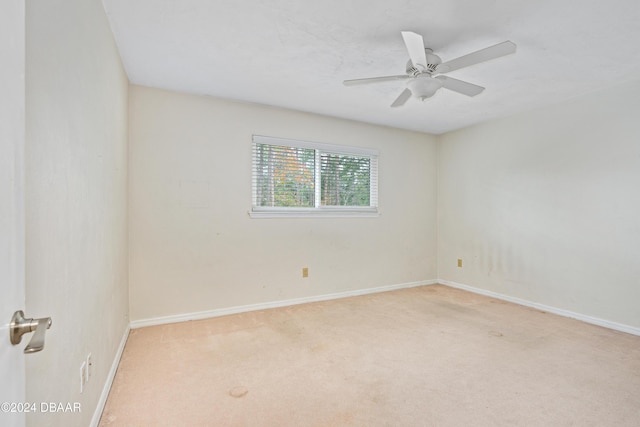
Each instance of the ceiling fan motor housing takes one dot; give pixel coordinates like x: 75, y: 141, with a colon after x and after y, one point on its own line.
x: 432, y: 63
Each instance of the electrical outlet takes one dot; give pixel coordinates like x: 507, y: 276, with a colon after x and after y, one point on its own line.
x: 459, y: 263
x: 305, y: 272
x: 89, y: 367
x: 83, y: 375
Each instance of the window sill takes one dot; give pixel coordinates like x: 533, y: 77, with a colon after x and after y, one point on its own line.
x: 314, y: 213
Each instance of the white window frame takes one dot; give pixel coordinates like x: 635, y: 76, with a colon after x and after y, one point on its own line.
x: 318, y: 211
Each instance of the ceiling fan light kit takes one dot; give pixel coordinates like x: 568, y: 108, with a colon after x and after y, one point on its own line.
x: 424, y: 67
x: 424, y: 86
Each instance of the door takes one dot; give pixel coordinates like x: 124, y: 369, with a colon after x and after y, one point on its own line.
x: 12, y: 216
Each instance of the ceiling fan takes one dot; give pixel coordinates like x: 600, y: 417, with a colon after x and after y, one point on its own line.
x: 424, y: 66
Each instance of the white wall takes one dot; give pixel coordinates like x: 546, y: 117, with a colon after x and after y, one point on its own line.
x: 76, y: 201
x: 193, y: 246
x: 545, y: 206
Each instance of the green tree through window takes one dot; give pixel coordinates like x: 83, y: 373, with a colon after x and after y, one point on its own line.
x: 345, y: 180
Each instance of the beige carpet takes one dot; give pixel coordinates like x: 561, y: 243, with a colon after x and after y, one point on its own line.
x: 428, y: 356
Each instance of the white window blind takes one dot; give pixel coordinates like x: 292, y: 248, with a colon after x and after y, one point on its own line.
x: 300, y: 178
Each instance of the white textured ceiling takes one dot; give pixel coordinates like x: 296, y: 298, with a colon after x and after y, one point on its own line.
x: 296, y: 53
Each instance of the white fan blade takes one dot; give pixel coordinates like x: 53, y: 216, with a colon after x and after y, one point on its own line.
x: 459, y: 86
x: 400, y: 100
x: 486, y: 54
x: 374, y: 80
x: 415, y: 47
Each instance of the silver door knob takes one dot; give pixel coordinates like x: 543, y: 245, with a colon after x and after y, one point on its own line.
x: 20, y: 326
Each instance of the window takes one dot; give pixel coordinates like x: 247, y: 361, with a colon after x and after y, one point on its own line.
x: 298, y: 178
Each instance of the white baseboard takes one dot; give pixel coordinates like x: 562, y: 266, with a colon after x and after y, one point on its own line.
x: 109, y: 381
x: 274, y: 304
x: 566, y: 313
